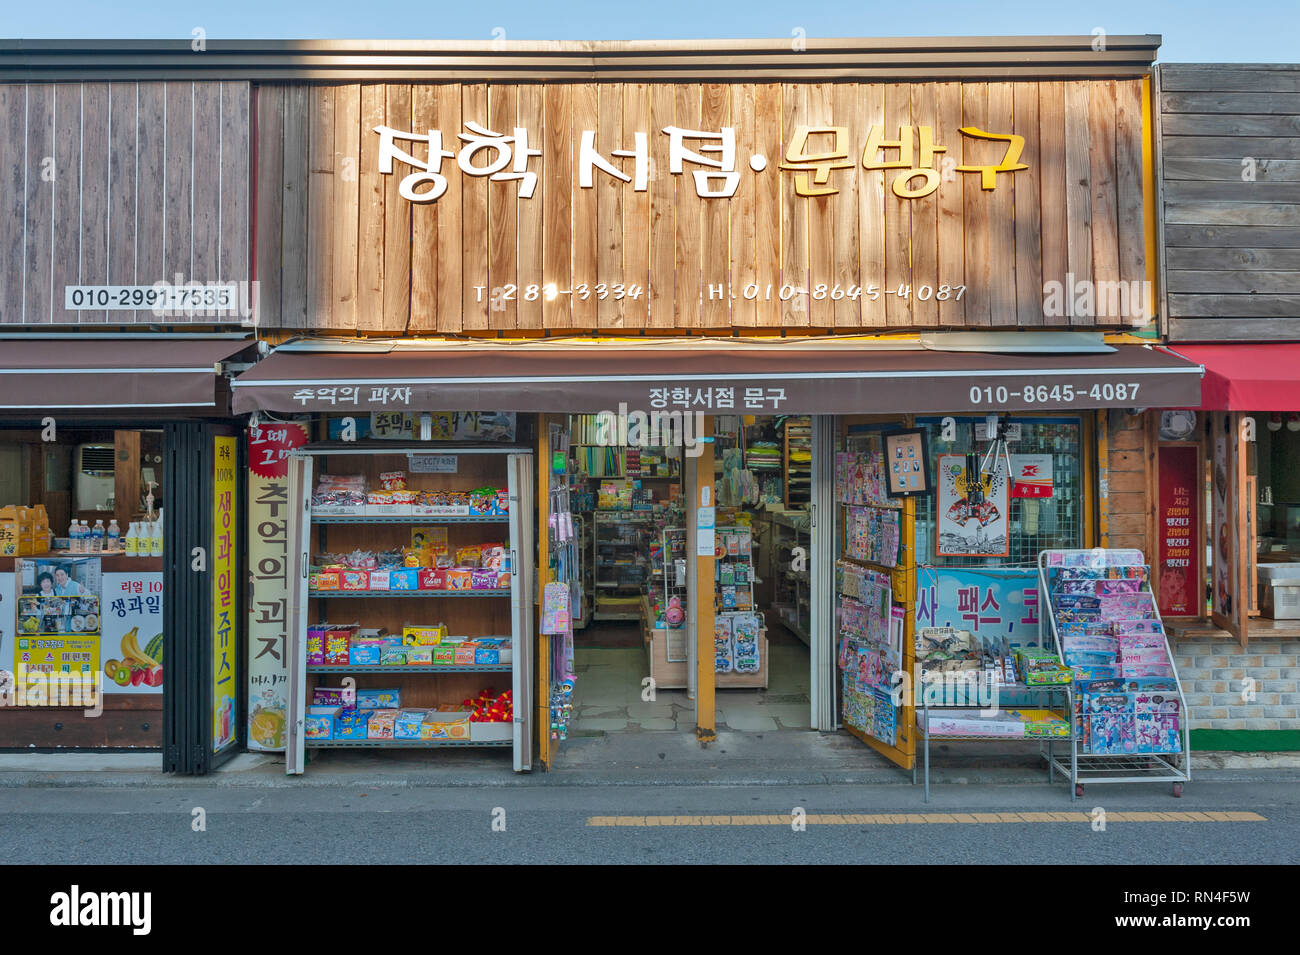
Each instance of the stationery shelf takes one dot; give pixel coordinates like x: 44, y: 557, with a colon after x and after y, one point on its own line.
x: 410, y: 519
x: 391, y: 594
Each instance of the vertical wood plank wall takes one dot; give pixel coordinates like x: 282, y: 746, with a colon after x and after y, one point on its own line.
x: 121, y: 184
x: 378, y: 263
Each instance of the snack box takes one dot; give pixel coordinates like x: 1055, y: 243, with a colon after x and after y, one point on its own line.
x: 459, y: 578
x: 364, y: 653
x: 315, y: 646
x: 351, y: 724
x: 319, y: 722
x: 483, y: 579
x: 337, y: 647
x: 408, y: 723
x: 392, y: 658
x: 419, y: 656
x: 333, y: 696
x: 407, y: 578
x: 380, y: 580
x: 370, y: 699
x: 492, y: 651
x: 438, y: 724
x: 464, y: 655
x: 444, y: 655
x: 381, y: 723
x: 433, y: 578
x: 325, y: 580
x: 423, y: 636
x: 1042, y: 723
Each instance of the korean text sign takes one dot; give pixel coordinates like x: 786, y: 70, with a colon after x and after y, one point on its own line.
x: 221, y: 564
x: 992, y: 603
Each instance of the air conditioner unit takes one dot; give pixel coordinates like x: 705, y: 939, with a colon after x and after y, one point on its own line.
x: 93, y: 490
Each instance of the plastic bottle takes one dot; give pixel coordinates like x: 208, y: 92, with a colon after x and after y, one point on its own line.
x: 156, y: 538
x: 113, y: 539
x: 97, y: 537
x: 74, y: 532
x: 86, y: 537
x: 132, y: 540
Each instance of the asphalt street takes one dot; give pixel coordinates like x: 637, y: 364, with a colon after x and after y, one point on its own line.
x: 1215, y: 822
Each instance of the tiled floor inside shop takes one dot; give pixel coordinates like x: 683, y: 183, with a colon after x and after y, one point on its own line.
x: 607, y: 697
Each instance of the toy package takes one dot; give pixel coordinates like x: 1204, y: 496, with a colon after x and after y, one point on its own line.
x: 723, y: 657
x: 745, y: 650
x: 381, y: 723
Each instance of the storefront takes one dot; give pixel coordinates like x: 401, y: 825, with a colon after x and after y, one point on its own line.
x: 107, y: 640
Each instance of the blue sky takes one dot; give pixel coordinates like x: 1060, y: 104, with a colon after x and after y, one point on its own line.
x: 1261, y: 31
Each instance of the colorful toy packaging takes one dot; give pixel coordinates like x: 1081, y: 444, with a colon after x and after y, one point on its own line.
x: 723, y: 660
x: 408, y: 723
x: 745, y: 629
x: 381, y: 724
x: 319, y: 722
x: 370, y: 699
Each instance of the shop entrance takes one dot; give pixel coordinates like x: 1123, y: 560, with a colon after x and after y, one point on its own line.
x: 640, y: 532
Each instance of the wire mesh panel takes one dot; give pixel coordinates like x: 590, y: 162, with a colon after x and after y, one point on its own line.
x: 1036, y: 523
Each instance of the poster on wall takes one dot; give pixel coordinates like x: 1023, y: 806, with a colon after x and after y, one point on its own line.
x: 906, y: 464
x: 8, y: 628
x: 995, y: 602
x: 58, y: 624
x: 1031, y: 475
x: 269, y: 447
x: 1223, y: 524
x: 132, y: 632
x: 222, y: 566
x: 1178, y: 537
x: 973, y: 515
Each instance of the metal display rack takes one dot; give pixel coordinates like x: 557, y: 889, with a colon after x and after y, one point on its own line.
x: 1084, y: 766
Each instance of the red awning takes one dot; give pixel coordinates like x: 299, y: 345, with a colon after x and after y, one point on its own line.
x: 1247, y: 377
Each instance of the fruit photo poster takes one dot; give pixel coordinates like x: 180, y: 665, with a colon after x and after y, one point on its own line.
x: 132, y: 632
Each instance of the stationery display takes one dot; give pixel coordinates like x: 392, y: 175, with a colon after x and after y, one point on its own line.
x: 860, y: 478
x: 871, y: 534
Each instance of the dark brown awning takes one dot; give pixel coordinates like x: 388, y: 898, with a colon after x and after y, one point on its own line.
x: 713, y: 377
x: 101, y: 375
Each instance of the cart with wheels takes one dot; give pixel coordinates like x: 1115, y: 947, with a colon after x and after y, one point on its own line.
x: 1129, y: 714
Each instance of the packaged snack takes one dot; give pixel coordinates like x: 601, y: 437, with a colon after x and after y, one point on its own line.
x: 354, y: 580
x: 381, y: 723
x: 469, y: 556
x: 392, y: 657
x: 493, y: 557
x: 441, y: 724
x: 407, y: 725
x: 483, y: 579
x: 459, y: 578
x: 488, y: 651
x: 337, y: 643
x: 319, y: 722
x: 419, y: 656
x: 368, y: 699
x: 378, y: 580
x: 364, y: 652
x: 423, y: 636
x: 352, y: 724
x: 379, y: 497
x: 432, y: 578
x: 327, y: 580
x: 334, y: 491
x: 408, y: 578
x: 333, y: 696
x: 464, y: 655
x: 444, y: 655
x: 315, y: 646
x: 392, y: 480
x: 503, y: 580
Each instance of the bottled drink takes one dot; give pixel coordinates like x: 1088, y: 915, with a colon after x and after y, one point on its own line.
x: 132, y: 542
x: 156, y: 538
x: 74, y: 531
x: 97, y: 537
x: 113, y: 537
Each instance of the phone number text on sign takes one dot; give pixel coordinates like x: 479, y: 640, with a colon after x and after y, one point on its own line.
x: 1052, y: 394
x: 168, y: 297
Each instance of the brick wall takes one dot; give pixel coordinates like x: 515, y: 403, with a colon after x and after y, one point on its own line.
x: 1212, y: 671
x: 1126, y: 476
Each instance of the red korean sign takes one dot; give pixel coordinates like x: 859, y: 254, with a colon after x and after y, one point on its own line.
x: 1031, y: 475
x: 1178, y: 532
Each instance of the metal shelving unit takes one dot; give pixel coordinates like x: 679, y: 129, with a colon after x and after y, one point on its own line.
x: 402, y: 743
x: 404, y: 669
x: 391, y: 594
x: 1086, y: 767
x: 410, y: 519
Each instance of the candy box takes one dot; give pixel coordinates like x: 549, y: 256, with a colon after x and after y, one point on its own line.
x: 354, y: 580
x: 465, y: 654
x: 433, y: 578
x: 494, y: 557
x: 333, y: 696
x: 503, y: 579
x: 492, y: 651
x: 407, y: 724
x: 327, y: 580
x: 407, y: 578
x: 483, y: 579
x: 423, y: 636
x: 368, y: 699
x: 459, y: 578
x: 444, y: 655
x: 351, y: 724
x: 445, y: 725
x: 319, y: 721
x: 379, y: 580
x: 381, y: 723
x: 392, y: 657
x: 337, y: 644
x: 315, y: 646
x: 419, y: 656
x: 364, y: 653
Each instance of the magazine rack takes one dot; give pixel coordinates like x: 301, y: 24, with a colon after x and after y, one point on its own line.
x: 1129, y: 713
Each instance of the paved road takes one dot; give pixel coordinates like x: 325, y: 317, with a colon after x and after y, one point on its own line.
x: 651, y: 824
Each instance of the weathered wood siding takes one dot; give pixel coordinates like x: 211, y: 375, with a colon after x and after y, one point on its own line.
x: 340, y: 249
x: 1230, y: 166
x: 120, y: 184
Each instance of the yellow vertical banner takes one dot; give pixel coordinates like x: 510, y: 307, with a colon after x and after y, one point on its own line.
x: 222, y: 563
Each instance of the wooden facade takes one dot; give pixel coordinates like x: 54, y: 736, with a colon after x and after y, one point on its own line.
x: 1230, y: 179
x: 123, y: 183
x: 340, y: 249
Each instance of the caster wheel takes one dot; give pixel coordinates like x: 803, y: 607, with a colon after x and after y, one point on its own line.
x: 1078, y: 789
x: 1178, y: 790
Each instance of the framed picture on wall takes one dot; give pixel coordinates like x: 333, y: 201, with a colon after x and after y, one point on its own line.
x: 906, y: 464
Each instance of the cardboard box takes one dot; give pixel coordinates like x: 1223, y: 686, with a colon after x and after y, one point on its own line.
x: 459, y: 578
x: 392, y: 657
x: 344, y: 696
x: 319, y: 722
x: 326, y: 580
x: 491, y: 732
x: 432, y: 578
x: 379, y: 580
x: 368, y: 699
x: 380, y: 725
x: 352, y: 724
x: 419, y: 656
x: 364, y: 653
x: 408, y: 723
x: 354, y: 580
x: 445, y: 725
x: 315, y: 646
x: 464, y: 656
x: 423, y: 636
x: 337, y: 647
x: 407, y: 578
x: 444, y: 655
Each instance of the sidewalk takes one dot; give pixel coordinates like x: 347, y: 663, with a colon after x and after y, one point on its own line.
x: 626, y: 759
